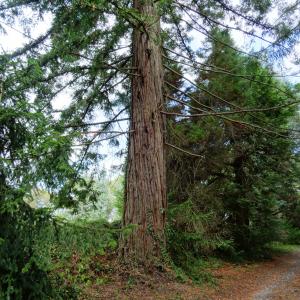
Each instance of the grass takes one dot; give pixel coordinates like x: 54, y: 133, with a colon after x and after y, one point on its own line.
x: 280, y: 248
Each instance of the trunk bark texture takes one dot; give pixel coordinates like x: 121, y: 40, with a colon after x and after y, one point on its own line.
x: 145, y: 205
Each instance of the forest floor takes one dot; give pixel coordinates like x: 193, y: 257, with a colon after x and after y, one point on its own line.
x: 276, y: 278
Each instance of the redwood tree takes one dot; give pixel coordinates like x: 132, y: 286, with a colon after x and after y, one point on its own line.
x: 146, y: 183
x: 110, y: 55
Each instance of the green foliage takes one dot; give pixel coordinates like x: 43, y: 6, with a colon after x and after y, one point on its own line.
x: 191, y: 236
x: 83, y: 236
x: 197, y: 269
x: 118, y: 191
x: 282, y: 248
x: 74, y: 251
x: 32, y: 153
x: 233, y: 198
x: 21, y: 271
x: 46, y: 258
x: 291, y: 234
x: 191, y: 230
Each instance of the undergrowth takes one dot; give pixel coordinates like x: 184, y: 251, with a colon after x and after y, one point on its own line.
x: 75, y: 254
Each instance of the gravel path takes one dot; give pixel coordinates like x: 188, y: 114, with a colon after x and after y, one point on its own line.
x: 286, y: 285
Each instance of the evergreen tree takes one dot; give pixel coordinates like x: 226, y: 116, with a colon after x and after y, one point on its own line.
x: 242, y: 177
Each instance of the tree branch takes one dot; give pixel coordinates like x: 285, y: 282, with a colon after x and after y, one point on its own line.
x: 184, y: 151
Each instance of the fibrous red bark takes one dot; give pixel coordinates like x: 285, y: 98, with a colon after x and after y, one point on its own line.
x: 146, y: 203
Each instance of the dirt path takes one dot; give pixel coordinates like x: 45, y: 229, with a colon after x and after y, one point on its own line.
x: 286, y: 284
x: 276, y: 279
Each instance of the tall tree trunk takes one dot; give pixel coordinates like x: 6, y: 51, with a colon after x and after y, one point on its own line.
x: 145, y: 205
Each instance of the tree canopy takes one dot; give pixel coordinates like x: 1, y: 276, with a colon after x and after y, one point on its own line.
x: 132, y: 69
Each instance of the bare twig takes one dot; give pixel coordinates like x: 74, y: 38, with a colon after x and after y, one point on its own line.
x: 96, y: 123
x: 248, y: 110
x: 99, y: 141
x: 184, y: 151
x: 229, y: 119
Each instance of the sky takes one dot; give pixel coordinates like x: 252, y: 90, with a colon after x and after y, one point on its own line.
x: 15, y: 38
